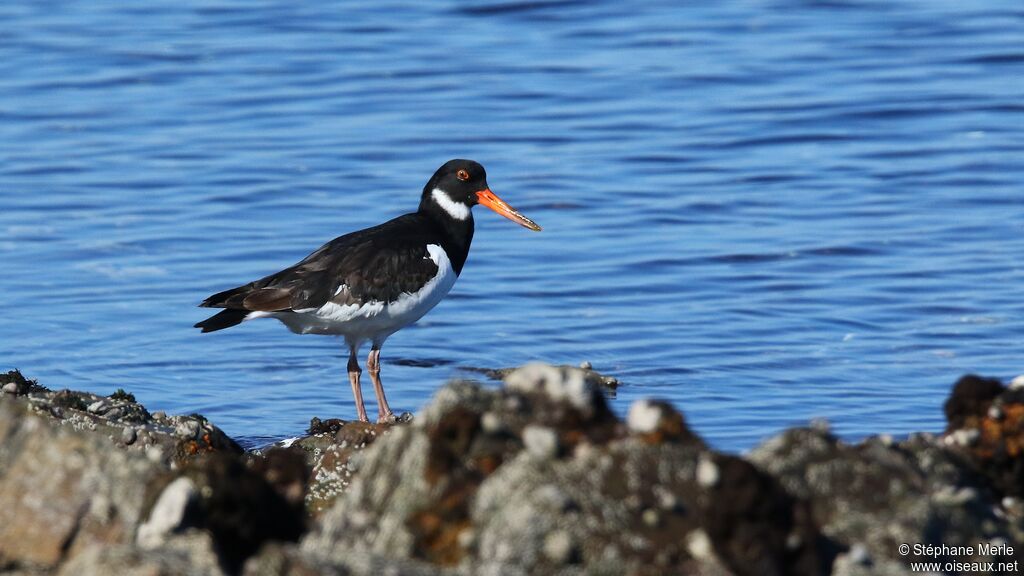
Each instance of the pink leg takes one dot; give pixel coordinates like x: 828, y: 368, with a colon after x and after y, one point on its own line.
x: 353, y: 378
x: 373, y: 365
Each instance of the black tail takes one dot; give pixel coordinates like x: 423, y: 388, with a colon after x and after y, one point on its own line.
x: 223, y: 319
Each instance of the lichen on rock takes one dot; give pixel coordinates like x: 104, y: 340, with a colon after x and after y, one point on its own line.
x: 536, y: 477
x: 554, y: 481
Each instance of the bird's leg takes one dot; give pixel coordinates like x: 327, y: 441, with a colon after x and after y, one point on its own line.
x: 353, y: 378
x: 373, y: 365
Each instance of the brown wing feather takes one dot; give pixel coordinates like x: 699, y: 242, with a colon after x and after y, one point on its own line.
x: 268, y: 300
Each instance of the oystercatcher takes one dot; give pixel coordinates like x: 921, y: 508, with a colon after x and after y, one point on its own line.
x: 369, y: 284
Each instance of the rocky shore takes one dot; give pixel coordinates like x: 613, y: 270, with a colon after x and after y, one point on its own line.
x: 537, y: 476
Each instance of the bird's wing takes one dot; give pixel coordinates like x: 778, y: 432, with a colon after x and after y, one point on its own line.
x: 376, y: 264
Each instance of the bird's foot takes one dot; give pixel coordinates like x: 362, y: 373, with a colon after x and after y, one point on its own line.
x: 387, y: 418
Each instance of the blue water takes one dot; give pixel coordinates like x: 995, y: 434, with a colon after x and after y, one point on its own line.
x: 764, y: 211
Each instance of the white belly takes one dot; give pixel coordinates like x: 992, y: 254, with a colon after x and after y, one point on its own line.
x: 373, y: 321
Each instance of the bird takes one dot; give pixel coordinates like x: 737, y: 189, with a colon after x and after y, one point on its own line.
x: 367, y: 285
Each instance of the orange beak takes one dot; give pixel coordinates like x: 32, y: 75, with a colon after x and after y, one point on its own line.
x: 488, y: 198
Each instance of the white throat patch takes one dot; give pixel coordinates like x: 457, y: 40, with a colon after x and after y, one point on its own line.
x: 456, y: 210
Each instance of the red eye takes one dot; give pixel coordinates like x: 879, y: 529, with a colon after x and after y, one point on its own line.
x: 462, y: 175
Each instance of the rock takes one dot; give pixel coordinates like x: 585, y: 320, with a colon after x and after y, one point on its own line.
x: 970, y: 399
x: 328, y: 451
x: 558, y: 547
x: 62, y: 488
x: 860, y: 555
x: 169, y: 513
x: 758, y: 527
x: 538, y: 477
x: 593, y: 378
x: 879, y: 494
x: 187, y: 429
x: 540, y: 441
x: 72, y: 479
x: 707, y: 472
x: 558, y: 383
x: 491, y: 423
x: 657, y: 421
x: 962, y: 437
x: 287, y: 471
x: 651, y: 517
x: 821, y: 425
x: 986, y: 425
x: 330, y: 426
x: 180, y: 437
x: 450, y: 492
x: 280, y: 559
x: 189, y: 554
x: 698, y: 544
x: 644, y: 417
x: 14, y: 382
x: 231, y: 501
x: 129, y: 435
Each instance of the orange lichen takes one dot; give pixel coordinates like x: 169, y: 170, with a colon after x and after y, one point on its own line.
x: 488, y: 464
x: 671, y: 428
x: 438, y: 540
x: 1004, y: 434
x: 204, y: 445
x: 437, y: 528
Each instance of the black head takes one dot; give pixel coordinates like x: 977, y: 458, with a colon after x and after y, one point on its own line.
x: 460, y: 180
x: 459, y: 185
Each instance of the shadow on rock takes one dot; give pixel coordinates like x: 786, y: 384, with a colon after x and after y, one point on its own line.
x: 240, y: 506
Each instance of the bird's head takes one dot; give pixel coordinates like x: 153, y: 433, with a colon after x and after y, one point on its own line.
x: 459, y: 185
